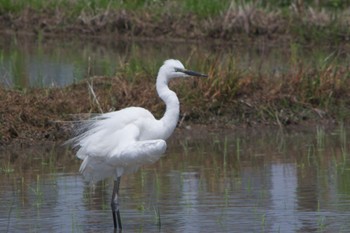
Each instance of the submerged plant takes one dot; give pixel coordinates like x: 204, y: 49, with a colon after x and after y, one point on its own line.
x: 157, y: 217
x: 320, y: 136
x: 38, y: 192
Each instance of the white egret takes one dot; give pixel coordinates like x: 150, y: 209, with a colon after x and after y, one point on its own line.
x: 118, y: 143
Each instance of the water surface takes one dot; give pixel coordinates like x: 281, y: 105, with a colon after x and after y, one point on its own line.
x: 268, y: 181
x: 29, y: 62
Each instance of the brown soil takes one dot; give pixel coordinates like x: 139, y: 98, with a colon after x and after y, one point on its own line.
x: 38, y: 115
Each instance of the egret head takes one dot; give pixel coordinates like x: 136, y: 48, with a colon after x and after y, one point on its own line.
x: 175, y: 69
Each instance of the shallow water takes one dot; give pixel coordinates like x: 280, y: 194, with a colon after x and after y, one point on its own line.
x: 210, y: 182
x: 29, y: 62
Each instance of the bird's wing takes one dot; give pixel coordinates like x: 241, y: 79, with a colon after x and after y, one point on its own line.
x: 116, y: 143
x: 136, y: 154
x: 103, y: 134
x: 126, y: 161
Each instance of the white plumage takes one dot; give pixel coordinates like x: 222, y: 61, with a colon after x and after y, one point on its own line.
x: 113, y: 144
x: 118, y: 143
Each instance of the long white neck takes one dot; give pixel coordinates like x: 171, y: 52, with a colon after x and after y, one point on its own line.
x: 171, y: 101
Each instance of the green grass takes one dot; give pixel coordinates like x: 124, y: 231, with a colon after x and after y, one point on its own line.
x: 324, y: 19
x: 75, y: 7
x: 205, y: 8
x: 320, y: 138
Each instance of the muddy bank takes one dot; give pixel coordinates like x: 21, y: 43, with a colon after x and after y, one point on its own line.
x: 38, y: 115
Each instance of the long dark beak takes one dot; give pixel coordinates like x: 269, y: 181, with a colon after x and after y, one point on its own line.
x: 192, y: 73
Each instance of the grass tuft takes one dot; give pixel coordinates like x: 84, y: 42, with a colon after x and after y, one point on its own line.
x: 181, y: 19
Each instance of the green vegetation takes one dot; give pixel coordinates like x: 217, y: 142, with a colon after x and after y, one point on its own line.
x: 303, y: 20
x: 75, y: 7
x: 205, y: 7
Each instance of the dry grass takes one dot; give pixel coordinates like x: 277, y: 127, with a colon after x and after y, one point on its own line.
x: 249, y: 18
x: 227, y: 97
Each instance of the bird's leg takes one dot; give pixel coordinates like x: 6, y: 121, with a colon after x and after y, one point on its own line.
x: 115, y: 204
